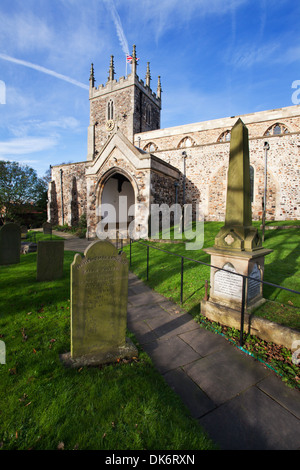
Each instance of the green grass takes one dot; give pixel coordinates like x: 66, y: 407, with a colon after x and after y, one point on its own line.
x: 36, y: 236
x: 43, y: 405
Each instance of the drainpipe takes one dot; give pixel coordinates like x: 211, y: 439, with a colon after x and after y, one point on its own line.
x: 61, y: 197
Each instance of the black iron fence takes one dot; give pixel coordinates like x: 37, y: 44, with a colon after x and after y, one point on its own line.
x: 185, y: 258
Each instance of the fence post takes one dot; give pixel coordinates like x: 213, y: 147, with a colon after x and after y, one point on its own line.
x: 243, y: 311
x: 147, y: 262
x: 181, y: 281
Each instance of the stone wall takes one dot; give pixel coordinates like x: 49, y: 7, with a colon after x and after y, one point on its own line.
x: 72, y: 192
x: 207, y: 163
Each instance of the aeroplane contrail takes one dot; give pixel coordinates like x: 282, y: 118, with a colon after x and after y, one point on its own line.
x: 39, y: 68
x: 117, y: 21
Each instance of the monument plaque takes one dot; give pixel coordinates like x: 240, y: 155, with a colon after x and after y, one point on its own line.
x: 254, y: 287
x: 228, y: 284
x: 99, y: 295
x: 10, y: 244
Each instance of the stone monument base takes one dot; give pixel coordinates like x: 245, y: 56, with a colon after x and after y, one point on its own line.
x: 127, y: 351
x: 226, y: 315
x: 226, y: 284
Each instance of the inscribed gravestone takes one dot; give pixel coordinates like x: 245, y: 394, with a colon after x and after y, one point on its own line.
x: 47, y: 228
x: 10, y: 243
x: 50, y: 260
x: 99, y: 295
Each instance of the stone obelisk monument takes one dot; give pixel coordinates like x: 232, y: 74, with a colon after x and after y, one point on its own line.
x: 238, y: 247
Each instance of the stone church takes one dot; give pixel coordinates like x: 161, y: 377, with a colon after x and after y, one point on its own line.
x: 128, y: 154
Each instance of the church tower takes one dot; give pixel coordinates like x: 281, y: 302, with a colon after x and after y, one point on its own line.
x: 128, y: 105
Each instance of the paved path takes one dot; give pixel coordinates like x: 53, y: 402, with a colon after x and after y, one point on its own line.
x: 241, y: 403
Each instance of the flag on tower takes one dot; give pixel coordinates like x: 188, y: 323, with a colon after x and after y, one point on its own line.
x: 129, y: 59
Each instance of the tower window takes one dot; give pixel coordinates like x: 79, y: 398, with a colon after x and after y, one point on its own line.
x: 110, y: 110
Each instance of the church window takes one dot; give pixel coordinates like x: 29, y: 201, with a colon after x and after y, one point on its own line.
x: 150, y: 147
x: 186, y: 142
x: 277, y: 129
x: 225, y: 136
x: 110, y: 110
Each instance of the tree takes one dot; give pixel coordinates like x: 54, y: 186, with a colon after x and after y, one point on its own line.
x: 20, y: 188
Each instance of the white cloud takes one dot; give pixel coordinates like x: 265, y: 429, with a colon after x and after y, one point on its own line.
x: 26, y: 145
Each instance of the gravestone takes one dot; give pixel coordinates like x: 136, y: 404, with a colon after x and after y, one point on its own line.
x: 238, y: 250
x: 50, y: 260
x: 10, y: 244
x: 47, y: 228
x: 99, y: 295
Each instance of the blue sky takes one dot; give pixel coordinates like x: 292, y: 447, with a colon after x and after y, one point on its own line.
x: 216, y: 58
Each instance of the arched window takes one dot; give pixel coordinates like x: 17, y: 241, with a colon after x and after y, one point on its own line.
x: 186, y: 142
x: 225, y: 136
x: 277, y: 129
x: 150, y: 147
x: 110, y: 110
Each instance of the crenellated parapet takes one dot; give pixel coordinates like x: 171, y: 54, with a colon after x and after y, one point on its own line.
x: 114, y: 85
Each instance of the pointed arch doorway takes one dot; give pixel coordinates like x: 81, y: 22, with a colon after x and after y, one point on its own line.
x: 116, y: 196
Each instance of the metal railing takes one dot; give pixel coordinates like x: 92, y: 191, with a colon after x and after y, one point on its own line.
x: 183, y: 258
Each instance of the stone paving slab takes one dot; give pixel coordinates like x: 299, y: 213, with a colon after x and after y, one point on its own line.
x: 226, y: 373
x: 192, y: 396
x: 278, y: 391
x: 170, y: 353
x: 252, y: 421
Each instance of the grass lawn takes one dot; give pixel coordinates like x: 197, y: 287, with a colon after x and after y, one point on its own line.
x: 43, y: 405
x: 35, y: 236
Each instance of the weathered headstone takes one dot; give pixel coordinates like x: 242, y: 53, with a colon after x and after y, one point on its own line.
x: 99, y: 295
x: 238, y: 249
x: 10, y: 243
x: 47, y: 228
x: 50, y: 260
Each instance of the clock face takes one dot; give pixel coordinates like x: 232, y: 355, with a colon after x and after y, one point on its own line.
x: 110, y: 124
